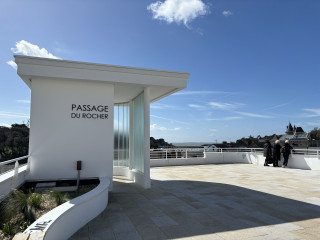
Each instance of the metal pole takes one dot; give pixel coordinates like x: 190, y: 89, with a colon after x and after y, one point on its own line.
x: 78, y: 179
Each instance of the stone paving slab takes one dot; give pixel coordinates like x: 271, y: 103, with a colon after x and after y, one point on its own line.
x: 231, y: 201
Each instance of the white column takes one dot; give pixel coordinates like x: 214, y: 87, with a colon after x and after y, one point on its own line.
x: 147, y: 138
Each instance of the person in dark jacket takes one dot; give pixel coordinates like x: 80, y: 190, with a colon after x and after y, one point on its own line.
x: 267, y: 153
x: 276, y: 153
x: 286, y: 153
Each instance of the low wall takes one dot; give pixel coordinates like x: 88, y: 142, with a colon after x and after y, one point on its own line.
x: 8, y: 181
x: 210, y: 158
x: 233, y: 157
x: 63, y: 221
x: 298, y: 161
x: 176, y: 162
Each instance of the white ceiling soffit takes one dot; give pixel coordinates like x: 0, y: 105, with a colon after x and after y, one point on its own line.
x: 128, y: 81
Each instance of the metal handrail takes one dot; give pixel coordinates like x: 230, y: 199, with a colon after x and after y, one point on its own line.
x: 14, y: 160
x: 307, y: 151
x: 187, y: 153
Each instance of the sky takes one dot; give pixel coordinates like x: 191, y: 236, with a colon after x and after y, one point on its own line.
x: 254, y: 65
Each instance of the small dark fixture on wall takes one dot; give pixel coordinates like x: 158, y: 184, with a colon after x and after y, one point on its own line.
x: 79, y: 165
x: 79, y: 168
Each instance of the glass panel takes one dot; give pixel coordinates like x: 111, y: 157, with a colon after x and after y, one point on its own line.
x: 138, y: 133
x: 121, y: 134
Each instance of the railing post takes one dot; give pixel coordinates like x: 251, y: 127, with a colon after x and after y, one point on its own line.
x: 166, y: 154
x: 28, y: 165
x: 186, y: 153
x: 16, y: 168
x: 176, y: 153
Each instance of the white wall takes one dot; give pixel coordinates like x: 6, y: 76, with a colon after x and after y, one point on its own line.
x: 57, y: 141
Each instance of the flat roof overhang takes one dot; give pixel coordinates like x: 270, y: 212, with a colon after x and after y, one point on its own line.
x: 128, y: 82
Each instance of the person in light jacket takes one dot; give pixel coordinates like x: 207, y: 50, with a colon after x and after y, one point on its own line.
x: 286, y: 153
x: 276, y: 153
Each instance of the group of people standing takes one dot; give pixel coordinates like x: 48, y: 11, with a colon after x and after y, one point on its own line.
x: 273, y: 154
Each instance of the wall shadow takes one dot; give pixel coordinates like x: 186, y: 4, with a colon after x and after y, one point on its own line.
x: 176, y: 209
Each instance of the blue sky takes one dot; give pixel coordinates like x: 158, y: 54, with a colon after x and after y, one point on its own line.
x: 255, y: 65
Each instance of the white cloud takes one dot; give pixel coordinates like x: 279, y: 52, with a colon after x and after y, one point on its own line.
x: 5, y: 125
x: 200, y: 92
x: 225, y: 106
x: 310, y: 124
x: 168, y: 119
x: 23, y: 101
x: 29, y: 49
x: 178, y: 11
x: 254, y: 115
x: 13, y: 115
x: 25, y: 48
x: 224, y: 119
x: 163, y: 106
x: 155, y: 127
x: 12, y: 64
x: 315, y: 112
x: 227, y: 13
x: 277, y: 106
x: 198, y: 107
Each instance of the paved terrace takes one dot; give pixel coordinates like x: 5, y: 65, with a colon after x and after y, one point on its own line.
x: 235, y: 201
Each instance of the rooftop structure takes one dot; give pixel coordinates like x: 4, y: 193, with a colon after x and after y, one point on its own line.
x: 79, y: 109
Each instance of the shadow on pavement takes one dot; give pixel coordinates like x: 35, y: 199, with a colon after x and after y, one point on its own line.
x: 176, y: 209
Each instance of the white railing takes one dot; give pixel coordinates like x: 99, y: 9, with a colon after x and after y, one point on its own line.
x: 311, y: 152
x: 299, y: 159
x: 239, y: 150
x: 194, y: 153
x: 12, y: 175
x: 176, y: 153
x: 5, y: 168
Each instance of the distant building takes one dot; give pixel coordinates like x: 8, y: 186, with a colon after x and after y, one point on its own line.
x: 296, y: 136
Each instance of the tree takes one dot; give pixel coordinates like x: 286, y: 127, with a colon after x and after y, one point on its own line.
x: 156, y: 143
x: 315, y: 134
x: 14, y: 141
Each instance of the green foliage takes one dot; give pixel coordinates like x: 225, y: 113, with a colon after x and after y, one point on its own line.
x: 7, y: 229
x: 24, y: 225
x: 14, y: 141
x: 57, y: 196
x: 315, y: 134
x: 22, y: 203
x: 156, y: 143
x: 35, y: 200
